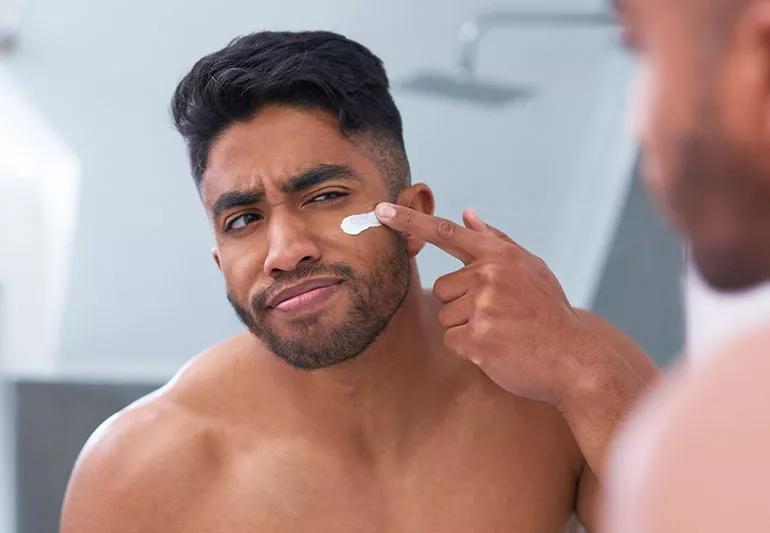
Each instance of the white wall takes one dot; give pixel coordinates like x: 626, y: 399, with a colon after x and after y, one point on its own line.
x: 145, y: 295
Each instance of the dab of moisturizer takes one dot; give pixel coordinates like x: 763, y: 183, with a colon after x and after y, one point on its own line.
x: 355, y: 224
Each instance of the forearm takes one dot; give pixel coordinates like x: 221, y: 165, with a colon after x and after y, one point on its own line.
x: 600, y: 390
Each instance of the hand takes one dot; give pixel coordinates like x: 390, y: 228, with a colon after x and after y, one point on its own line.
x: 504, y: 310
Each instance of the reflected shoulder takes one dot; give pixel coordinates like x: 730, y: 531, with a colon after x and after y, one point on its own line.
x: 708, y: 466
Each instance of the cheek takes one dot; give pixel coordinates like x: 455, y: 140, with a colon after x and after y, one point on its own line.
x: 357, y: 250
x: 661, y: 109
x: 362, y: 252
x: 643, y: 122
x: 327, y: 228
x: 651, y: 104
x: 241, y: 267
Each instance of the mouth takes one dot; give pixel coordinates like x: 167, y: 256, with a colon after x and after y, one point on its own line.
x: 304, y: 294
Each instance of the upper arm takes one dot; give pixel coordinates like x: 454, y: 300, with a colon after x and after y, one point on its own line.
x: 631, y: 352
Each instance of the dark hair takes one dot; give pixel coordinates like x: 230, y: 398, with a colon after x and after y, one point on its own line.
x: 306, y: 69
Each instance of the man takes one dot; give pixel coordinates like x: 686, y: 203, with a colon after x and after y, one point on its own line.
x: 695, y: 458
x: 343, y: 408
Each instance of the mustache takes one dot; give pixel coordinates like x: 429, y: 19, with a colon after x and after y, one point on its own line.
x: 341, y: 270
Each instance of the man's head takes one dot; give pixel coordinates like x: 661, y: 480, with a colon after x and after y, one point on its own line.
x: 703, y: 119
x: 289, y: 133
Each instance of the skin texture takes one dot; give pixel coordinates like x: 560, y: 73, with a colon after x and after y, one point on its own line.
x: 404, y: 437
x: 694, y: 456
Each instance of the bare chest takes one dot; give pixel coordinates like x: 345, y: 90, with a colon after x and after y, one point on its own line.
x: 455, y: 488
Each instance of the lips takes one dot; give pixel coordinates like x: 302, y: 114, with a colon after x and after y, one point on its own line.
x: 300, y: 289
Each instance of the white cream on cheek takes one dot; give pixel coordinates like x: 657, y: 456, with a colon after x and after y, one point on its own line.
x: 356, y: 224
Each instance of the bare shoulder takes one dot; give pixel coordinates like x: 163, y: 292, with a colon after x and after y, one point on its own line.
x: 631, y: 352
x: 131, y: 464
x: 142, y: 466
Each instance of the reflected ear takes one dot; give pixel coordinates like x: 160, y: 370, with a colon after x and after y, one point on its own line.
x: 215, y: 256
x: 746, y: 78
x: 420, y: 198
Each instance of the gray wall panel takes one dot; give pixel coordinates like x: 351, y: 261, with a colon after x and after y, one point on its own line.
x: 53, y: 421
x: 641, y: 287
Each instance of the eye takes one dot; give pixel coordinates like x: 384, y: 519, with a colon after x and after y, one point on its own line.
x: 242, y: 221
x: 327, y: 197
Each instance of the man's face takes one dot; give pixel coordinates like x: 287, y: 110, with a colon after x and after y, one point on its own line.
x: 276, y: 189
x: 695, y: 117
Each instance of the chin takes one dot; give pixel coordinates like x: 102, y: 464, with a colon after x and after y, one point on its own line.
x: 305, y: 326
x: 729, y: 270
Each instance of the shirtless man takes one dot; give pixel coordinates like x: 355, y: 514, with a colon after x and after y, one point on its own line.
x: 344, y: 408
x: 696, y: 457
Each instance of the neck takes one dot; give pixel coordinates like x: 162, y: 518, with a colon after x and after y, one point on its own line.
x: 380, y: 399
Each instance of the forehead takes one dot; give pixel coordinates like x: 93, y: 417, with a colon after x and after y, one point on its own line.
x: 629, y: 11
x: 279, y: 142
x: 682, y: 10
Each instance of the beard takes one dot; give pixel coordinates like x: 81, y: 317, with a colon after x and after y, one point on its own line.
x: 722, y: 197
x: 313, y: 344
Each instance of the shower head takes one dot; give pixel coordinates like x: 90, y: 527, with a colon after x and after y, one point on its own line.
x: 10, y: 21
x: 464, y: 88
x: 465, y: 85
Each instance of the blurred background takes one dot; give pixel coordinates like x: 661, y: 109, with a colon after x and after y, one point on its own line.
x: 106, y: 282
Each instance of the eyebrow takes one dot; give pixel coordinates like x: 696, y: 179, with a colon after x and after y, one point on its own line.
x: 305, y: 180
x: 232, y: 199
x: 316, y: 176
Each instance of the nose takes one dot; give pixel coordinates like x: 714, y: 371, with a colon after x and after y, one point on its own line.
x: 290, y: 244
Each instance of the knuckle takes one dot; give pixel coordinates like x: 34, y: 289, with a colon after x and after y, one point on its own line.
x: 506, y: 251
x: 483, y: 305
x: 445, y: 229
x: 479, y: 274
x: 490, y: 272
x: 481, y: 329
x: 408, y: 218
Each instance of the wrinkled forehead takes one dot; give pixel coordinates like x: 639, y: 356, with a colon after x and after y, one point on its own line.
x: 683, y: 11
x: 272, y: 145
x: 276, y: 145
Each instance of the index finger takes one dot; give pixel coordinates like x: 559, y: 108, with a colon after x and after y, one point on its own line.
x: 464, y: 244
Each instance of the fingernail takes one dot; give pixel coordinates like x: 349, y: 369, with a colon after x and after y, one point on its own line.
x: 385, y: 211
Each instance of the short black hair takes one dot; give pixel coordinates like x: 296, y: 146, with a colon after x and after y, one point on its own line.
x: 316, y: 69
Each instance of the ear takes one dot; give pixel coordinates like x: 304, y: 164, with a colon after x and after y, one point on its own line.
x: 746, y: 77
x: 420, y: 198
x: 215, y: 255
